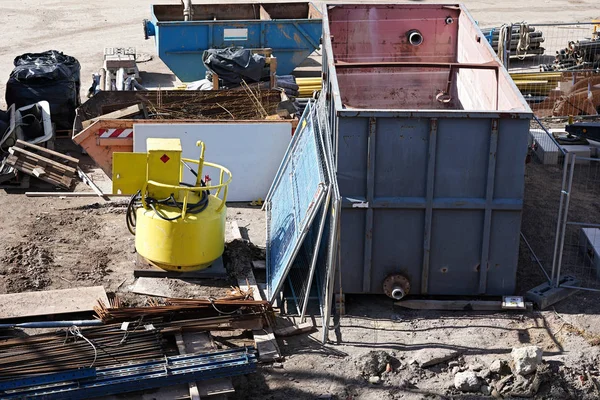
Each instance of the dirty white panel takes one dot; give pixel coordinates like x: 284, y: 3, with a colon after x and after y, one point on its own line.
x: 251, y: 151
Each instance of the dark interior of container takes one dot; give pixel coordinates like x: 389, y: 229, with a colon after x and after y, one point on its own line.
x: 233, y: 12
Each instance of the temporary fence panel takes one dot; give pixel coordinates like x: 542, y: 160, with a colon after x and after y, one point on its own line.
x: 577, y: 252
x: 251, y: 151
x: 320, y: 246
x: 293, y: 201
x: 543, y: 178
x: 329, y: 255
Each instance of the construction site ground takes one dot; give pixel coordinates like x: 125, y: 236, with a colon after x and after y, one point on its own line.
x: 57, y: 243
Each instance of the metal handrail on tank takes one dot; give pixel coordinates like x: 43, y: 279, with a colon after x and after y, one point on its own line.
x: 223, y: 185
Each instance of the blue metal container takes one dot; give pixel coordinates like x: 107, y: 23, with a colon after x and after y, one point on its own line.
x: 291, y: 30
x: 430, y: 139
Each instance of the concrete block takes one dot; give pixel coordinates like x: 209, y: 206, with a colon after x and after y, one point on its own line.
x: 545, y: 295
x: 546, y: 150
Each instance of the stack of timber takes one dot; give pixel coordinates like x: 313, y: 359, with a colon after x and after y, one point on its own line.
x: 47, y: 165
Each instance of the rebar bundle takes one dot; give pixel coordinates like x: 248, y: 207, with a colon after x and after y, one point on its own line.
x: 74, y: 348
x: 184, y: 309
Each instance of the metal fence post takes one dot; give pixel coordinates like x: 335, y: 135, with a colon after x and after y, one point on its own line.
x: 565, y: 216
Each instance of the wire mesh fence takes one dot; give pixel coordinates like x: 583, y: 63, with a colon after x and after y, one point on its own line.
x: 543, y: 180
x: 578, y: 252
x: 555, y: 66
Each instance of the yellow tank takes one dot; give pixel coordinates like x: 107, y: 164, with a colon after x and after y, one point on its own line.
x: 185, y: 244
x: 177, y: 227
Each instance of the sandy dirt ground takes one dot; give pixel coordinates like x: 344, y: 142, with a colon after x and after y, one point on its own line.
x: 56, y: 243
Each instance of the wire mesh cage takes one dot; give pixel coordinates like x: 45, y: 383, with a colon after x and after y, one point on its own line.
x: 555, y: 66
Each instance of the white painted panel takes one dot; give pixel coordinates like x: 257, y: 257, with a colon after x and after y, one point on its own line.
x: 235, y: 34
x: 251, y: 151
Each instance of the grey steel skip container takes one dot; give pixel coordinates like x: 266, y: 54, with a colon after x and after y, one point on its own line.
x: 430, y: 140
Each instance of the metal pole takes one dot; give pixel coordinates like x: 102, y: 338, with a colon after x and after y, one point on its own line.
x: 313, y: 263
x: 53, y: 324
x: 566, y: 213
x: 560, y: 207
x: 536, y: 258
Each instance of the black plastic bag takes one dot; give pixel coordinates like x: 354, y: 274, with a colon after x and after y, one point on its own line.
x: 51, y: 76
x: 234, y: 65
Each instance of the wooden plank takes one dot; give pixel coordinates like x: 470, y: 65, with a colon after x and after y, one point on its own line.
x: 38, y: 171
x: 294, y: 329
x: 265, y: 340
x: 50, y: 176
x: 235, y: 231
x: 454, y: 305
x: 42, y: 160
x: 70, y: 194
x: 71, y: 161
x: 51, y: 302
x: 194, y: 392
x: 125, y: 112
x: 147, y: 269
x: 199, y: 342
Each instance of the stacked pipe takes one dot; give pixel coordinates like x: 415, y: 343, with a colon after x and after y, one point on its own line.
x: 536, y: 83
x: 536, y: 38
x: 307, y: 86
x: 583, y: 54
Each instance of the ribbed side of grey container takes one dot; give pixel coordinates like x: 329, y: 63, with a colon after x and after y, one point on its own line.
x: 435, y: 195
x: 434, y: 199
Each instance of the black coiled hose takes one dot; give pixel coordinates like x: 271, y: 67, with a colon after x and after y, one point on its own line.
x: 135, y: 202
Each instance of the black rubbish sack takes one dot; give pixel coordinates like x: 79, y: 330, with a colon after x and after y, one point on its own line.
x: 51, y: 76
x: 234, y: 65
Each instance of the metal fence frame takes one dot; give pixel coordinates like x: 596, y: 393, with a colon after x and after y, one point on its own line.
x: 566, y: 203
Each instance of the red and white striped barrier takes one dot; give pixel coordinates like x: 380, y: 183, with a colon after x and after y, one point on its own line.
x: 115, y: 133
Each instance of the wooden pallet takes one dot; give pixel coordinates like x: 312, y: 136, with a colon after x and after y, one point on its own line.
x: 47, y: 165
